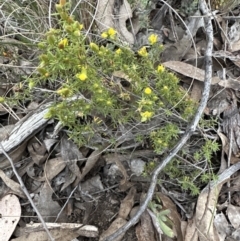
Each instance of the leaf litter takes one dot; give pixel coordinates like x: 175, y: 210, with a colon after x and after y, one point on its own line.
x: 51, y: 171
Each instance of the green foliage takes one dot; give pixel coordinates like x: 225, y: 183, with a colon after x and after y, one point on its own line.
x: 189, y: 177
x: 165, y: 137
x: 84, y: 80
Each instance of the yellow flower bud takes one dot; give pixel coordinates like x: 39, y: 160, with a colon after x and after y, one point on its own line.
x: 94, y: 47
x: 62, y: 2
x: 59, y: 8
x: 51, y: 39
x: 68, y: 28
x: 77, y: 33
x: 2, y: 99
x: 104, y: 35
x: 41, y: 45
x: 64, y: 92
x: 118, y: 51
x: 42, y: 71
x: 31, y: 84
x: 160, y: 68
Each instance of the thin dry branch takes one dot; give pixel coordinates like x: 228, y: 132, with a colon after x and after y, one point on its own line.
x: 192, y: 127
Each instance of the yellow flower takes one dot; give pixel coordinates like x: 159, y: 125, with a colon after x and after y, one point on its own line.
x: 146, y: 115
x: 51, y: 39
x: 153, y: 39
x: 143, y: 52
x: 147, y: 91
x: 111, y: 32
x: 63, y: 43
x: 118, y: 51
x: 83, y: 75
x: 104, y: 35
x: 160, y: 68
x: 94, y: 47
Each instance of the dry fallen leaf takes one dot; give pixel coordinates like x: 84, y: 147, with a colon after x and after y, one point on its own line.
x: 10, y: 213
x: 191, y: 233
x: 48, y: 208
x: 60, y: 231
x: 52, y: 168
x: 58, y: 235
x: 222, y: 226
x: 37, y: 152
x: 145, y: 229
x: 206, y: 205
x: 189, y: 71
x: 115, y: 225
x: 14, y: 186
x: 204, y: 216
x: 90, y: 163
x: 127, y: 203
x: 5, y: 131
x: 125, y: 209
x: 233, y: 213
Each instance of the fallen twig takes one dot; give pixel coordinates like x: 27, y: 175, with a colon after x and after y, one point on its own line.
x: 192, y: 127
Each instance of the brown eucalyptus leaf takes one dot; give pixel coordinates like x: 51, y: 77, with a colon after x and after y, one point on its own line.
x: 14, y: 186
x: 127, y: 204
x: 52, y: 168
x: 115, y: 225
x: 191, y: 233
x: 222, y: 226
x: 37, y: 152
x: 5, y: 131
x: 48, y: 208
x: 189, y: 71
x: 145, y: 229
x: 206, y: 205
x: 61, y: 228
x: 233, y: 213
x: 90, y: 163
x: 196, y: 93
x: 58, y: 235
x: 15, y: 155
x: 71, y: 155
x: 205, y: 211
